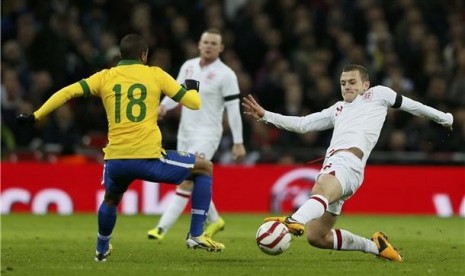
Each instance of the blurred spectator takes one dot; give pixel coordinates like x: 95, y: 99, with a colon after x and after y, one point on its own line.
x: 13, y: 57
x: 12, y: 104
x: 50, y: 47
x: 436, y: 93
x: 457, y: 89
x: 61, y: 134
x: 41, y: 88
x: 397, y: 141
x: 396, y: 79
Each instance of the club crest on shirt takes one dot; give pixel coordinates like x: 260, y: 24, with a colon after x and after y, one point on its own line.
x: 367, y: 96
x: 210, y: 76
x: 189, y: 72
x: 339, y: 110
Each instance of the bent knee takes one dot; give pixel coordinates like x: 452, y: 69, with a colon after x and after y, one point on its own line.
x: 313, y: 240
x: 319, y: 241
x: 204, y: 166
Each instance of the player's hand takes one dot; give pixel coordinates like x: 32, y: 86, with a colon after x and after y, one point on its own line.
x: 449, y: 122
x: 25, y: 119
x: 238, y: 152
x: 190, y: 84
x: 252, y: 108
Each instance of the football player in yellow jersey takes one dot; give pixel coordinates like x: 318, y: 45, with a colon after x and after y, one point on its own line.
x: 130, y: 93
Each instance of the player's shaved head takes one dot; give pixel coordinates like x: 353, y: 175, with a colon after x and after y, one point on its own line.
x: 132, y: 45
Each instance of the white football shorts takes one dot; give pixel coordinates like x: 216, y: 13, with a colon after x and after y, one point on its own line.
x: 348, y: 170
x: 205, y: 148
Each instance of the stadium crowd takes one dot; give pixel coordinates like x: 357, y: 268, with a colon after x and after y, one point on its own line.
x: 287, y: 53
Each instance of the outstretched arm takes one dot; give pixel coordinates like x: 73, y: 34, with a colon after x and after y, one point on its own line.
x: 419, y: 109
x: 298, y: 124
x: 54, y: 102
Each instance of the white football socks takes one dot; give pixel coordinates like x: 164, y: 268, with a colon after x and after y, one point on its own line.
x: 177, y: 205
x: 212, y: 215
x: 344, y: 240
x: 175, y: 208
x: 312, y: 209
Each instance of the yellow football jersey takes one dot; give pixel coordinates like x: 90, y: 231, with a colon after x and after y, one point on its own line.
x: 130, y: 93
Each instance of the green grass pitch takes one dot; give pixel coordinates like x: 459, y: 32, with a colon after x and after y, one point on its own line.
x: 65, y: 245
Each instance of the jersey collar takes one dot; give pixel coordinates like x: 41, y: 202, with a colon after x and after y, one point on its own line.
x: 128, y: 62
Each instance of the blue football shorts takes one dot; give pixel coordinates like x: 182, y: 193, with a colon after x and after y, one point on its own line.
x: 173, y: 167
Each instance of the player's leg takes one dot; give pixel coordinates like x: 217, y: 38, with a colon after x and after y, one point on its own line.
x: 183, y: 191
x: 200, y: 201
x: 205, y: 148
x: 339, y: 177
x: 201, y: 194
x: 321, y: 234
x: 116, y: 182
x: 327, y: 188
x: 107, y: 214
x: 174, y: 209
x: 318, y: 231
x: 176, y: 167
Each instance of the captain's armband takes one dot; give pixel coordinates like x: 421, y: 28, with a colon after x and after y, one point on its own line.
x: 398, y: 101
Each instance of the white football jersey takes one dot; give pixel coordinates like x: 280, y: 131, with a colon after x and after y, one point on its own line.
x: 356, y: 124
x: 218, y: 90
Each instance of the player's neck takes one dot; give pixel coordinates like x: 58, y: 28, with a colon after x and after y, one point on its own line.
x: 205, y: 62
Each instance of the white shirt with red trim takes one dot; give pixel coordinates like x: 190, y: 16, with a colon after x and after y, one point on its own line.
x: 359, y: 123
x: 219, y: 90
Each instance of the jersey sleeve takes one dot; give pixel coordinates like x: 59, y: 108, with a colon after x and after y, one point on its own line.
x: 85, y: 87
x: 58, y: 99
x: 235, y: 120
x: 168, y: 102
x: 172, y: 89
x: 231, y: 96
x: 167, y: 83
x: 92, y: 84
x: 422, y: 110
x: 395, y: 100
x: 230, y: 86
x: 385, y: 95
x: 313, y: 122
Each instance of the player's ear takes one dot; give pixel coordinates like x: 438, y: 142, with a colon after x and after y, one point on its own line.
x: 366, y: 85
x: 144, y: 56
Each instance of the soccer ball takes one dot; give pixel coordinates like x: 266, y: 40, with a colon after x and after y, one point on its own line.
x: 273, y: 238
